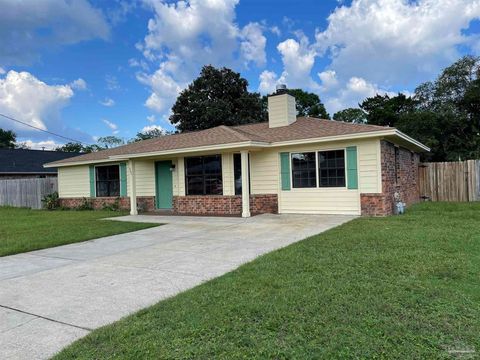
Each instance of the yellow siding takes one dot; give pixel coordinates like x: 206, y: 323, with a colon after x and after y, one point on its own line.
x: 369, y: 168
x: 227, y: 174
x: 74, y: 181
x: 145, y: 178
x: 181, y: 176
x: 264, y: 172
x: 320, y: 201
x: 265, y: 179
x: 281, y: 110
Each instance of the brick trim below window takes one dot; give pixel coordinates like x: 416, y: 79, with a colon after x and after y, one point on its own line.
x: 144, y: 203
x: 224, y: 205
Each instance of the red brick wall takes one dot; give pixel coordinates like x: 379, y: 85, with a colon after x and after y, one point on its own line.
x: 207, y: 205
x: 224, y: 205
x: 264, y: 204
x: 402, y: 180
x: 144, y: 203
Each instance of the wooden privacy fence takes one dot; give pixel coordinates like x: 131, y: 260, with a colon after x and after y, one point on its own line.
x: 450, y: 181
x: 26, y: 192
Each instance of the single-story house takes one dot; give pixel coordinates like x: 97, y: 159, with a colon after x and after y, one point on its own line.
x: 286, y: 165
x: 25, y: 163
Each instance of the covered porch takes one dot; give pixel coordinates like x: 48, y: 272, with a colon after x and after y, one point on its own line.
x: 200, y: 183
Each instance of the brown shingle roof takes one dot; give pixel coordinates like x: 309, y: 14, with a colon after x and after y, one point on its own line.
x: 303, y: 128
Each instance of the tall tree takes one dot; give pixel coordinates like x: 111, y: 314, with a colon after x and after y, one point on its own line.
x: 7, y: 139
x: 108, y: 142
x: 71, y: 147
x: 307, y: 104
x: 149, y: 134
x: 444, y: 113
x: 351, y: 115
x: 216, y: 97
x: 385, y: 110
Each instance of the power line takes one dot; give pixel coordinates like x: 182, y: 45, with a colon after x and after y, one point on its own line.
x: 40, y: 129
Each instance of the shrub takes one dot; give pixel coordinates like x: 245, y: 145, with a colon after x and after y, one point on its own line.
x: 115, y: 206
x: 51, y: 201
x: 86, y: 204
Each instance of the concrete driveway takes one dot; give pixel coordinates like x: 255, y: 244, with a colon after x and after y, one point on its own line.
x: 49, y: 298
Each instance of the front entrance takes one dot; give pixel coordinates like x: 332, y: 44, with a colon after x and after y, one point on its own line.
x: 163, y: 185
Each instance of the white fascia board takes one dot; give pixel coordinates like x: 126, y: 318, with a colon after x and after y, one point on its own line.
x: 412, y: 141
x: 75, y: 163
x: 192, y: 149
x: 365, y: 135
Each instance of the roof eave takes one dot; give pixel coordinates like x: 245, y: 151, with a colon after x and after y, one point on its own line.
x: 412, y: 141
x: 242, y: 144
x: 239, y: 145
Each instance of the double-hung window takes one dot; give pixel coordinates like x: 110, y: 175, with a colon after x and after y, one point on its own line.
x: 203, y: 175
x: 318, y: 169
x: 304, y: 170
x: 331, y: 168
x: 107, y: 180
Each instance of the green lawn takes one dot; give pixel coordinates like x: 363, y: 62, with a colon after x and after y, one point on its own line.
x: 24, y: 230
x: 405, y: 287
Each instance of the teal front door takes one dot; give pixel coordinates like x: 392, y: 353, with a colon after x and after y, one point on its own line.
x: 163, y: 185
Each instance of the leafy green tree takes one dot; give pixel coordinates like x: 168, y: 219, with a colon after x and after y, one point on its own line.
x: 444, y: 114
x: 149, y: 134
x: 71, y: 147
x: 216, y: 97
x: 7, y: 139
x: 384, y: 110
x: 108, y: 142
x: 307, y: 104
x: 351, y: 115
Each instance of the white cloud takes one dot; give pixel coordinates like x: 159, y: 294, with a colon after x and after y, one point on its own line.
x: 275, y: 30
x: 165, y: 88
x: 253, y: 44
x: 40, y: 145
x: 2, y: 71
x: 329, y: 79
x: 182, y: 37
x: 107, y: 102
x: 151, y: 128
x: 78, y: 84
x: 268, y: 81
x: 112, y: 126
x: 298, y: 58
x: 151, y: 118
x: 396, y: 42
x: 355, y: 91
x: 112, y: 82
x: 26, y: 98
x: 29, y: 26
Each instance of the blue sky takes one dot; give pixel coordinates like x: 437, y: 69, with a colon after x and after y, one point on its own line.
x: 86, y: 69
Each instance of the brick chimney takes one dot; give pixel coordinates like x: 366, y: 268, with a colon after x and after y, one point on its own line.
x: 282, y: 110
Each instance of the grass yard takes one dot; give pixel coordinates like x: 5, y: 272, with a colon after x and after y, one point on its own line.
x: 24, y: 230
x: 399, y: 287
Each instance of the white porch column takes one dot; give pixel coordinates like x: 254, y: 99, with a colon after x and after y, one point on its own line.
x: 245, y: 181
x: 132, y: 187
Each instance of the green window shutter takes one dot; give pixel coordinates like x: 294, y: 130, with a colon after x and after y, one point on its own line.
x: 123, y: 179
x: 285, y: 170
x: 92, y: 181
x: 352, y: 171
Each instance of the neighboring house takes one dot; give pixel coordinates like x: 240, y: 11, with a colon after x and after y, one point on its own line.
x: 285, y: 165
x: 23, y: 163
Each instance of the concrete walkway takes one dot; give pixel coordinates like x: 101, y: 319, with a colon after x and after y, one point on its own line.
x: 50, y: 298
